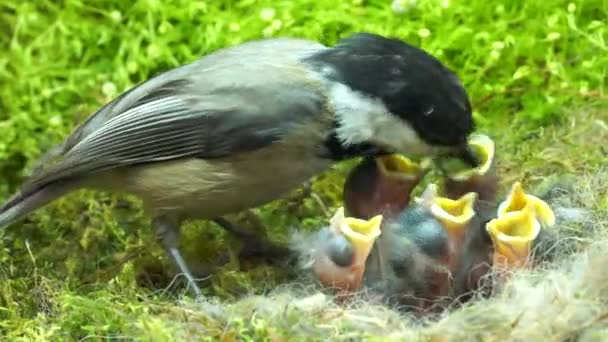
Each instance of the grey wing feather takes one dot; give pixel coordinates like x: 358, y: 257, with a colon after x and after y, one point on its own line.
x: 172, y: 122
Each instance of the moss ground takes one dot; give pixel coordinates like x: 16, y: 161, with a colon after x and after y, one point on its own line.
x: 87, y: 267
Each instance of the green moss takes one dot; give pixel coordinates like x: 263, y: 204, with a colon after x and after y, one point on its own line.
x: 88, y: 265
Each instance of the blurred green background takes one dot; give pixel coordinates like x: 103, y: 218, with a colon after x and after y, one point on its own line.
x: 526, y: 64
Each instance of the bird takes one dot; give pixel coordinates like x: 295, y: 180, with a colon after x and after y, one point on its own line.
x: 382, y: 185
x: 245, y: 124
x: 411, y: 272
x: 503, y: 237
x: 340, y: 251
x: 518, y: 200
x: 482, y: 179
x: 512, y: 235
x: 455, y: 216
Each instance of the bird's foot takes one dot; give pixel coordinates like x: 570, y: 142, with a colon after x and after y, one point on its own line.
x: 167, y: 233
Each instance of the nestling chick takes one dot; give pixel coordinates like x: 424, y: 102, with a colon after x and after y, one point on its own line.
x: 244, y: 125
x: 411, y: 268
x: 517, y: 200
x: 381, y: 185
x: 341, y: 251
x: 455, y: 216
x: 506, y: 242
x: 483, y: 179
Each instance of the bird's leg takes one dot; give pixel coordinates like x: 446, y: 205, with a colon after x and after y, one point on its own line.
x: 167, y: 232
x: 253, y: 246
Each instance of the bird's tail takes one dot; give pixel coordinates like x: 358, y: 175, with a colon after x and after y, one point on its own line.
x: 27, y: 201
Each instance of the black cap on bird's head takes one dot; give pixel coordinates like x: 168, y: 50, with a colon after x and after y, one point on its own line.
x: 414, y: 87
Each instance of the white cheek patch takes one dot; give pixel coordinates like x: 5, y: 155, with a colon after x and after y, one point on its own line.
x: 363, y: 119
x: 353, y: 114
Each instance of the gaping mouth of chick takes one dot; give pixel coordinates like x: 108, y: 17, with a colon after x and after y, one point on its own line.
x: 361, y: 230
x: 483, y: 148
x: 396, y: 165
x: 517, y: 200
x: 459, y: 211
x: 514, y: 232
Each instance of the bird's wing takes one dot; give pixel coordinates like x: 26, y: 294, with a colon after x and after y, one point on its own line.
x: 174, y: 120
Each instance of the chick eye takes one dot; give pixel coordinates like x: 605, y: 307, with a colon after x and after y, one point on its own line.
x: 429, y: 111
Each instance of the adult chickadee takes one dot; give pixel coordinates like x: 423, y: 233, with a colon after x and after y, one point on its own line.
x: 246, y: 124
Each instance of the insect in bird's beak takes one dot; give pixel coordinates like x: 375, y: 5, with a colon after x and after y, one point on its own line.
x: 513, y: 235
x: 518, y: 199
x: 482, y: 150
x: 481, y: 179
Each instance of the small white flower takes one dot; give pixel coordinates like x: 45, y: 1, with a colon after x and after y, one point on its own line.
x: 116, y: 16
x: 234, y: 27
x: 553, y: 36
x: 267, y: 14
x: 108, y: 89
x: 153, y: 51
x: 276, y: 24
x: 46, y: 93
x: 498, y: 45
x: 55, y: 121
x: 403, y: 6
x: 131, y: 67
x: 424, y: 32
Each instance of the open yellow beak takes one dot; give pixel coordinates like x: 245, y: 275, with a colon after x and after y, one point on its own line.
x: 513, y: 235
x: 455, y: 215
x: 518, y: 199
x: 484, y: 149
x: 361, y: 233
x: 399, y: 166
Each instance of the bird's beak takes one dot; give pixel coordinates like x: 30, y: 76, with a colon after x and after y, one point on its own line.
x: 361, y: 234
x: 481, y: 179
x: 467, y: 155
x: 513, y: 235
x: 399, y: 166
x: 454, y: 215
x: 518, y: 199
x: 479, y: 154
